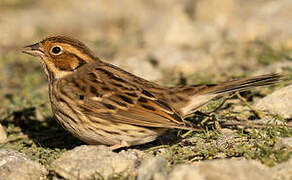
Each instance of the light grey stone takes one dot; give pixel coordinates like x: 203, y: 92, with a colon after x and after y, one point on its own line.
x: 284, y: 142
x: 186, y: 172
x: 3, y: 135
x: 85, y: 162
x: 140, y: 66
x: 17, y: 166
x: 222, y: 170
x: 279, y: 102
x: 283, y: 171
x: 182, y: 59
x: 153, y: 169
x: 234, y: 169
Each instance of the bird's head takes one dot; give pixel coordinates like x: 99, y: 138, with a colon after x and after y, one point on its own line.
x: 60, y: 55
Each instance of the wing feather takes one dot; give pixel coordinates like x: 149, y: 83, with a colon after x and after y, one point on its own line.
x: 112, y: 96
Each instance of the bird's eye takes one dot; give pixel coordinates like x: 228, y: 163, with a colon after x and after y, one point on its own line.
x: 56, y: 50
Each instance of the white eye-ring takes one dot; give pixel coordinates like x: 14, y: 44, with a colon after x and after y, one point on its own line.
x: 56, y: 50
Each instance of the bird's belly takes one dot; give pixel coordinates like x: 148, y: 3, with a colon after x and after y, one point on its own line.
x: 95, y: 130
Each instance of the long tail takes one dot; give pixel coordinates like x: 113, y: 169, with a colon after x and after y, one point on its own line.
x: 198, y: 95
x: 245, y: 84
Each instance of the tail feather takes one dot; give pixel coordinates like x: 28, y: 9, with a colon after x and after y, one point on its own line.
x: 205, y: 93
x: 245, y: 84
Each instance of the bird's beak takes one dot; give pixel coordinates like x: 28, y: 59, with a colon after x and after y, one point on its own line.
x: 34, y: 50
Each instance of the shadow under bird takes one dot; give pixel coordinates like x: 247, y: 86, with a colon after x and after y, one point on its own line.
x: 100, y: 103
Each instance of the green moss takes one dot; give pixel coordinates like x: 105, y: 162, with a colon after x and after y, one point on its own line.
x: 8, y: 4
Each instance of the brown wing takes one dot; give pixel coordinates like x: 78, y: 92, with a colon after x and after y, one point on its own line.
x: 111, y: 94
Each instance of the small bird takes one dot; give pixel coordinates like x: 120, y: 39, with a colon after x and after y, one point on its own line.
x: 100, y: 103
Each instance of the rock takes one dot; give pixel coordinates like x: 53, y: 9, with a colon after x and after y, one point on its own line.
x: 186, y: 172
x: 17, y: 166
x: 85, y: 162
x: 279, y: 102
x: 153, y: 169
x: 284, y: 142
x: 134, y: 155
x: 180, y: 59
x: 283, y: 171
x: 170, y: 25
x: 3, y: 135
x: 222, y: 170
x: 140, y: 66
x: 234, y: 169
x: 213, y: 10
